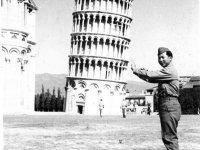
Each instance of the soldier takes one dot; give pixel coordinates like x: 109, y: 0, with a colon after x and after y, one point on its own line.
x: 168, y: 92
x: 101, y: 106
x: 123, y: 107
x: 149, y: 109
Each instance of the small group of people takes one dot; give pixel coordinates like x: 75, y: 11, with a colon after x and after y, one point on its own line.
x: 123, y: 107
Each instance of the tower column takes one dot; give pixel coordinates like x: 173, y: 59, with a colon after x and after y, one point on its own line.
x: 84, y: 69
x: 130, y: 10
x: 92, y: 50
x: 86, y: 47
x: 118, y: 4
x: 94, y: 70
x: 78, y: 23
x: 70, y: 68
x: 109, y: 49
x: 74, y: 68
x: 78, y: 68
x: 83, y: 22
x: 97, y: 48
x: 121, y: 51
x: 114, y: 71
x: 75, y: 25
x: 117, y: 70
x: 80, y: 48
x: 93, y: 23
x: 88, y: 24
x: 88, y: 70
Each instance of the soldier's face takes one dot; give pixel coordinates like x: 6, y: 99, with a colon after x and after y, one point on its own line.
x: 164, y: 60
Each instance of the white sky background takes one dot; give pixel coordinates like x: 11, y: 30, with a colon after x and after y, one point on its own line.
x: 156, y: 23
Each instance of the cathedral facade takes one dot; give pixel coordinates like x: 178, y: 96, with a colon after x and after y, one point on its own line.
x: 18, y: 55
x: 98, y: 57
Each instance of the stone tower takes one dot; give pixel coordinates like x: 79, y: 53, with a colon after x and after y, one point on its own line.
x: 98, y: 57
x: 18, y: 55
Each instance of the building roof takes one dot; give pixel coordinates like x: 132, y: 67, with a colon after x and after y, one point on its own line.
x: 193, y: 81
x: 135, y: 97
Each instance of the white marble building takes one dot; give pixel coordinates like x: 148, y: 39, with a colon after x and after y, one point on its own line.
x: 98, y: 57
x: 18, y: 55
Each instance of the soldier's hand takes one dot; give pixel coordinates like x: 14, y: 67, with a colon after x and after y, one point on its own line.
x: 133, y: 65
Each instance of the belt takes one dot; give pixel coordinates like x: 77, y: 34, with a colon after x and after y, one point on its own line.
x: 169, y: 98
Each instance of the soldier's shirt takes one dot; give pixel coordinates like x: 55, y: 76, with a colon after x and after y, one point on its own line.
x: 123, y: 104
x: 167, y: 79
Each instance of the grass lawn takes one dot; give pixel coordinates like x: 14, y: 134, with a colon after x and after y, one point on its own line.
x: 79, y: 132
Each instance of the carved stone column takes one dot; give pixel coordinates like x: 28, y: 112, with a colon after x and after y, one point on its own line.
x: 86, y: 47
x: 88, y: 24
x: 84, y: 69
x: 83, y: 23
x: 93, y: 23
x: 88, y: 71
x: 92, y: 50
x: 109, y: 50
x: 74, y: 69
x: 69, y: 72
x: 75, y: 25
x: 130, y: 10
x: 80, y: 48
x: 97, y: 48
x: 78, y: 68
x: 79, y: 24
x: 117, y: 70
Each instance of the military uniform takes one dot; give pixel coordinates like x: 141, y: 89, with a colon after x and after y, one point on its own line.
x: 169, y: 107
x: 101, y: 106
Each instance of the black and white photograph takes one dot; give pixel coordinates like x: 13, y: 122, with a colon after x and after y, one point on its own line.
x: 100, y: 74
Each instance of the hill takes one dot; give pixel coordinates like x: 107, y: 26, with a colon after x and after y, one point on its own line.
x: 49, y: 81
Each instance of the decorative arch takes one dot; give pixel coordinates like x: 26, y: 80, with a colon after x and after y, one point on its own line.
x: 23, y: 52
x: 81, y: 97
x: 124, y: 88
x: 4, y: 50
x: 117, y: 87
x: 82, y: 84
x: 94, y: 86
x: 72, y: 83
x: 14, y: 50
x: 106, y: 87
x: 29, y: 49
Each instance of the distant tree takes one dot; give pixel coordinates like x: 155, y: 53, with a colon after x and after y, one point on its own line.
x: 63, y: 100
x: 155, y: 103
x: 53, y: 101
x: 190, y: 100
x: 196, y: 99
x: 37, y: 102
x: 42, y: 99
x: 59, y: 101
x: 47, y: 100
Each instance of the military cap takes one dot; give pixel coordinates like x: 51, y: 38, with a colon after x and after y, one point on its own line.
x: 162, y: 50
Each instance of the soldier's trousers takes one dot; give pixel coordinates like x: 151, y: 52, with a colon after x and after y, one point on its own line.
x: 170, y: 114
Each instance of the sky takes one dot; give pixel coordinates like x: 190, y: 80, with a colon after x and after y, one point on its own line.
x: 156, y: 23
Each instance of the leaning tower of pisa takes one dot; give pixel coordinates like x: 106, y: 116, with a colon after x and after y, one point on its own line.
x: 98, y: 56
